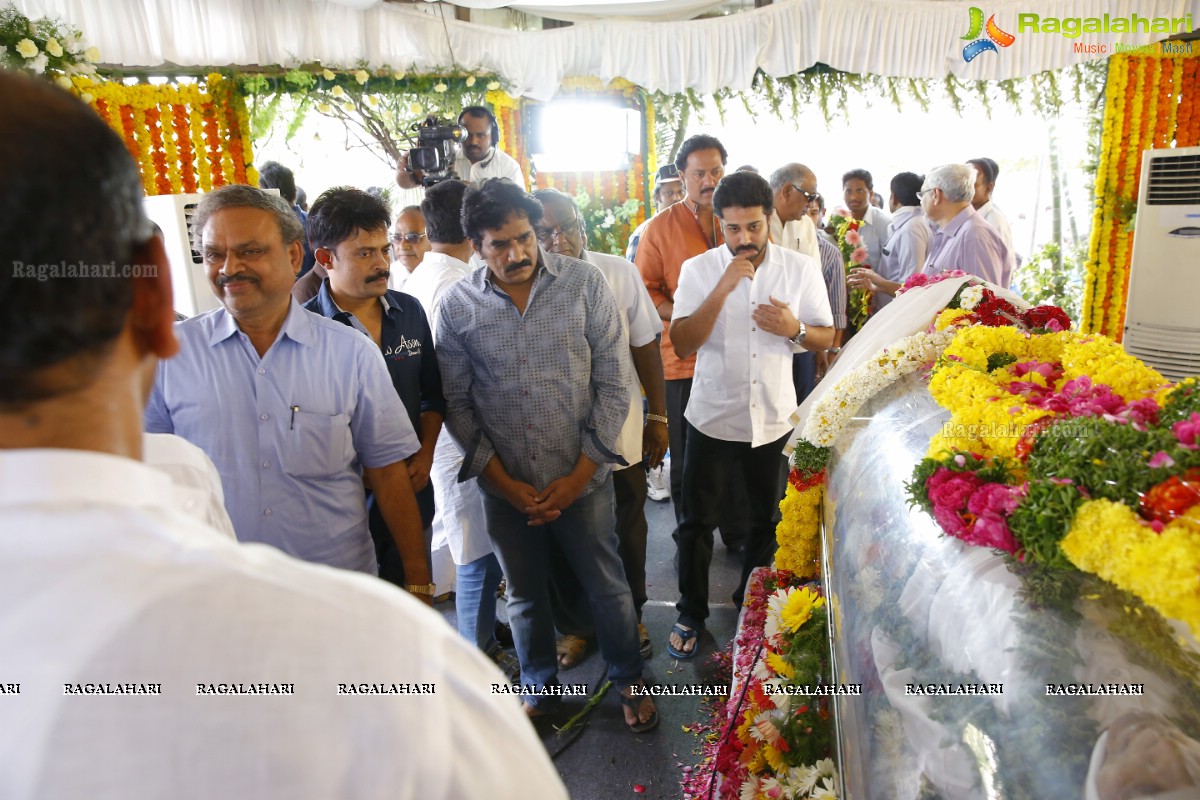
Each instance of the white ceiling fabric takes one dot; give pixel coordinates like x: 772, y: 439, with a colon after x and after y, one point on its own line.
x: 901, y: 38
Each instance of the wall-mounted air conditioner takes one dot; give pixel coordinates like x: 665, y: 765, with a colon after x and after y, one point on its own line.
x: 1162, y: 318
x: 173, y: 213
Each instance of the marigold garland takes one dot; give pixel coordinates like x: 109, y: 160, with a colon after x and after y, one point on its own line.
x: 185, y: 137
x: 799, y: 530
x: 1150, y: 101
x: 1110, y: 540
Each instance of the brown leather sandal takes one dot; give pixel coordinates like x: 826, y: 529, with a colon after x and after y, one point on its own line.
x: 572, y: 650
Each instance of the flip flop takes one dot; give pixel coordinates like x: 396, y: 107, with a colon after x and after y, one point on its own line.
x: 686, y: 636
x: 645, y: 647
x: 633, y: 704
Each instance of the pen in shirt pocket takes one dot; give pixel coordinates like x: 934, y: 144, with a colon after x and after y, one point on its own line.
x: 292, y: 427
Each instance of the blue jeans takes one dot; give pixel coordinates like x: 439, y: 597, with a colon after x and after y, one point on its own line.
x: 586, y: 533
x: 475, y: 600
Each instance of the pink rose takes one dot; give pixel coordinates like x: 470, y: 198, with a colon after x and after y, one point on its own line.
x: 853, y: 237
x: 859, y: 256
x: 1160, y: 459
x: 953, y: 491
x: 994, y: 498
x: 991, y: 530
x: 950, y: 521
x: 1187, y: 431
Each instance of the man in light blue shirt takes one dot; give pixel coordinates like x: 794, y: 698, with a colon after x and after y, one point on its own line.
x: 908, y: 237
x: 294, y: 409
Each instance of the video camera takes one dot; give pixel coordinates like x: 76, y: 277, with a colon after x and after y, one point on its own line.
x: 435, y: 151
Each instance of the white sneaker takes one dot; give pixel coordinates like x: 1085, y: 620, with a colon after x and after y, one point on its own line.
x: 658, y: 481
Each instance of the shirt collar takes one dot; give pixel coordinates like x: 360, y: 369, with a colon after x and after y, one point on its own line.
x: 57, y: 478
x: 985, y: 208
x: 435, y: 259
x: 296, y: 325
x: 952, y: 227
x: 904, y: 215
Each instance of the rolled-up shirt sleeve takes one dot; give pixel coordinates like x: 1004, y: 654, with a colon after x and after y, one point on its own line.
x: 835, y: 283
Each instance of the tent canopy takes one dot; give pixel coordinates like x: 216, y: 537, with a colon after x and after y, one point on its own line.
x: 897, y: 38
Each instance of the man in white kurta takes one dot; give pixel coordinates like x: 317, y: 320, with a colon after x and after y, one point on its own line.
x: 153, y: 657
x: 743, y: 307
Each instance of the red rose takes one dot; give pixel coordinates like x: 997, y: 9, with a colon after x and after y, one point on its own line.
x: 1051, y: 318
x: 1173, y: 497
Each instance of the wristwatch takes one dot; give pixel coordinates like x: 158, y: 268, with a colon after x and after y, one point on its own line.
x: 421, y: 588
x: 799, y: 337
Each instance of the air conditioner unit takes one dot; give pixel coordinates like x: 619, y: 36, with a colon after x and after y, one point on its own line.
x: 189, y: 280
x: 1162, y: 316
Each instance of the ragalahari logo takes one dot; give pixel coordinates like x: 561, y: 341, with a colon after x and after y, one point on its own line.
x: 995, y: 36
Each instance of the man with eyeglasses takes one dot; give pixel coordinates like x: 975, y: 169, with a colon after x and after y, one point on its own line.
x: 794, y: 187
x: 410, y: 243
x: 348, y: 230
x: 963, y: 239
x: 642, y: 443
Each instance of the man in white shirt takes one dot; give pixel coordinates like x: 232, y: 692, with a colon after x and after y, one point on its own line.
x: 154, y: 657
x: 986, y: 172
x: 743, y: 308
x: 794, y: 186
x: 642, y: 442
x: 410, y: 243
x: 480, y: 157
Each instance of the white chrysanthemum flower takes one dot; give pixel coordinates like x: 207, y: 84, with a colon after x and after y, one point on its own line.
x: 825, y: 767
x: 801, y: 780
x: 761, y: 670
x: 970, y: 297
x: 826, y: 791
x: 775, y: 605
x: 38, y: 65
x: 749, y: 789
x: 75, y: 44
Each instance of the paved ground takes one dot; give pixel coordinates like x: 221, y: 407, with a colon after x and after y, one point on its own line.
x: 607, y: 761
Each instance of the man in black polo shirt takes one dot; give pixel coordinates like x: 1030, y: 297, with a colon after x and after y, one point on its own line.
x: 348, y: 229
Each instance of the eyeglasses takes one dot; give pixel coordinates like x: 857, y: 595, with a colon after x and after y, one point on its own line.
x: 411, y: 238
x: 550, y: 234
x: 921, y: 194
x: 808, y: 196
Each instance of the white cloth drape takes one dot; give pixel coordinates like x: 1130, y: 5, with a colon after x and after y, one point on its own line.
x: 900, y: 38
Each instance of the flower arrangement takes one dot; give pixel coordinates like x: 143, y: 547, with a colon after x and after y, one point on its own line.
x: 799, y: 529
x: 185, y: 136
x: 774, y: 735
x: 854, y: 254
x: 47, y: 47
x: 1063, y: 450
x: 1163, y: 91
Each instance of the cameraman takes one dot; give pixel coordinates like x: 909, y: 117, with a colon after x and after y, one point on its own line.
x: 478, y: 159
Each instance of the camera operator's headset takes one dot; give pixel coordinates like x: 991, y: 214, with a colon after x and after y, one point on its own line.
x: 482, y: 111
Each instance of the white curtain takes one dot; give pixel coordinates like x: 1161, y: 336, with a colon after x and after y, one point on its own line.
x: 901, y: 38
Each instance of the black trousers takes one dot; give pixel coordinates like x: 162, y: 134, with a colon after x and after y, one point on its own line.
x: 732, y: 522
x: 712, y: 468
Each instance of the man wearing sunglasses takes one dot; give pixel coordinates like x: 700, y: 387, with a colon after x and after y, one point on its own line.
x: 409, y: 245
x: 794, y: 187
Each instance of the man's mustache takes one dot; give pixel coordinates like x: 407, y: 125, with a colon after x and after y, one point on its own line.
x: 241, y: 276
x: 379, y: 276
x: 518, y: 265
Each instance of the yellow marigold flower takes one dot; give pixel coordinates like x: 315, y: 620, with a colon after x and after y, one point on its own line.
x: 800, y: 607
x: 949, y: 317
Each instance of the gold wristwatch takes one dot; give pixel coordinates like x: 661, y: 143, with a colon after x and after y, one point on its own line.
x: 421, y: 588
